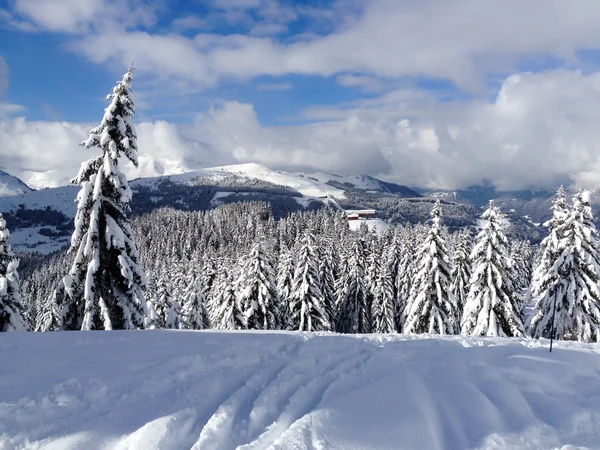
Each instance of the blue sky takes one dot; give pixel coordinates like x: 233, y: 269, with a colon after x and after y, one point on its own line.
x: 430, y: 93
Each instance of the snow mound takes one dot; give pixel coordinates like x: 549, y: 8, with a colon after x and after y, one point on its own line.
x: 251, y: 390
x: 10, y: 185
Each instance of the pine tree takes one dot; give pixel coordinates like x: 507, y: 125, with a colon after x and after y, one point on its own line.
x: 11, y: 310
x: 307, y: 312
x: 193, y: 311
x: 352, y: 294
x: 430, y: 307
x: 573, y: 249
x: 104, y: 286
x: 257, y: 291
x: 545, y: 275
x: 165, y: 306
x: 383, y: 308
x: 327, y: 276
x: 461, y: 271
x: 285, y: 281
x: 226, y: 312
x: 492, y: 308
x: 405, y: 275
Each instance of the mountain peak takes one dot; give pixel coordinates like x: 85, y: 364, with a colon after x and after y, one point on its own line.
x: 11, y: 185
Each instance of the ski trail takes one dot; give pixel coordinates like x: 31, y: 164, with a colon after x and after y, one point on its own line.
x: 306, y: 394
x: 225, y: 428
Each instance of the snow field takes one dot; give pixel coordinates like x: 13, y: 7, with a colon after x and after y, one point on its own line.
x: 252, y: 390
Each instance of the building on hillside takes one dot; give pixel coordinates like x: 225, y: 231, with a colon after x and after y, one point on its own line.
x: 356, y: 214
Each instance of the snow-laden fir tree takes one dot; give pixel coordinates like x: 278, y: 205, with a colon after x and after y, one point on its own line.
x: 193, y: 310
x: 257, y: 291
x: 167, y: 308
x: 103, y: 289
x: 307, y: 311
x: 461, y: 271
x: 285, y: 280
x: 430, y: 307
x: 11, y: 310
x: 225, y: 312
x: 492, y: 306
x: 383, y: 308
x: 576, y: 276
x: 405, y: 275
x: 327, y: 277
x: 545, y: 276
x: 352, y: 294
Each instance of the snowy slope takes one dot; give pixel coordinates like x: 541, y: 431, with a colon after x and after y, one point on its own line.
x: 307, y: 184
x: 10, y: 185
x: 241, y: 390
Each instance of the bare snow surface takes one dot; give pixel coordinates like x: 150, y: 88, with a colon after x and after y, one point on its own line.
x: 250, y: 390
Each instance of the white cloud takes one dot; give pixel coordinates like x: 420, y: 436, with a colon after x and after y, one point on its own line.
x: 541, y: 130
x: 78, y: 16
x: 461, y: 41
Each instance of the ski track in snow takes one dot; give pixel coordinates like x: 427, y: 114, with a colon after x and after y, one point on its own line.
x: 280, y: 391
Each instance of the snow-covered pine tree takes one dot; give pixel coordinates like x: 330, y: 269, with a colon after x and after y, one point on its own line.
x: 193, y: 312
x: 226, y: 313
x: 405, y: 274
x: 104, y: 286
x: 430, y: 308
x: 461, y: 271
x: 11, y: 310
x: 352, y: 294
x: 545, y: 275
x: 576, y: 275
x: 307, y: 311
x: 257, y: 292
x: 383, y: 308
x: 285, y: 281
x: 327, y: 276
x: 166, y: 307
x: 492, y: 307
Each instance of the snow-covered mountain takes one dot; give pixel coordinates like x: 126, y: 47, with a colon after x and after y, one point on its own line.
x: 10, y: 185
x: 214, y: 390
x: 42, y: 220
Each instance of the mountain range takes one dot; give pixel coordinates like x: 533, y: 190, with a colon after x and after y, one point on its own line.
x: 41, y: 220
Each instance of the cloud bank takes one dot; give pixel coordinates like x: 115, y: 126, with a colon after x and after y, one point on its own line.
x: 541, y: 130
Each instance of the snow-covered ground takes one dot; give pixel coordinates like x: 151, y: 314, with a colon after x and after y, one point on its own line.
x: 210, y: 390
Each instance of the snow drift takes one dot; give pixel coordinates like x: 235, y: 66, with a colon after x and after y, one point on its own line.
x: 250, y: 390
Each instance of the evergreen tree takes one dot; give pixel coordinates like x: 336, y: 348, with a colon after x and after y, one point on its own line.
x: 461, y: 271
x: 103, y: 289
x: 430, y: 308
x: 285, y: 281
x: 405, y: 275
x: 573, y: 249
x: 307, y: 312
x: 383, y: 308
x: 193, y: 311
x: 257, y: 291
x: 166, y: 307
x: 11, y: 310
x: 226, y: 312
x: 352, y: 294
x: 492, y: 308
x: 327, y: 277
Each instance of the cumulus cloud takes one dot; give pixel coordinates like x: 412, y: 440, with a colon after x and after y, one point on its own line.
x: 78, y: 16
x: 540, y: 130
x: 386, y: 38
